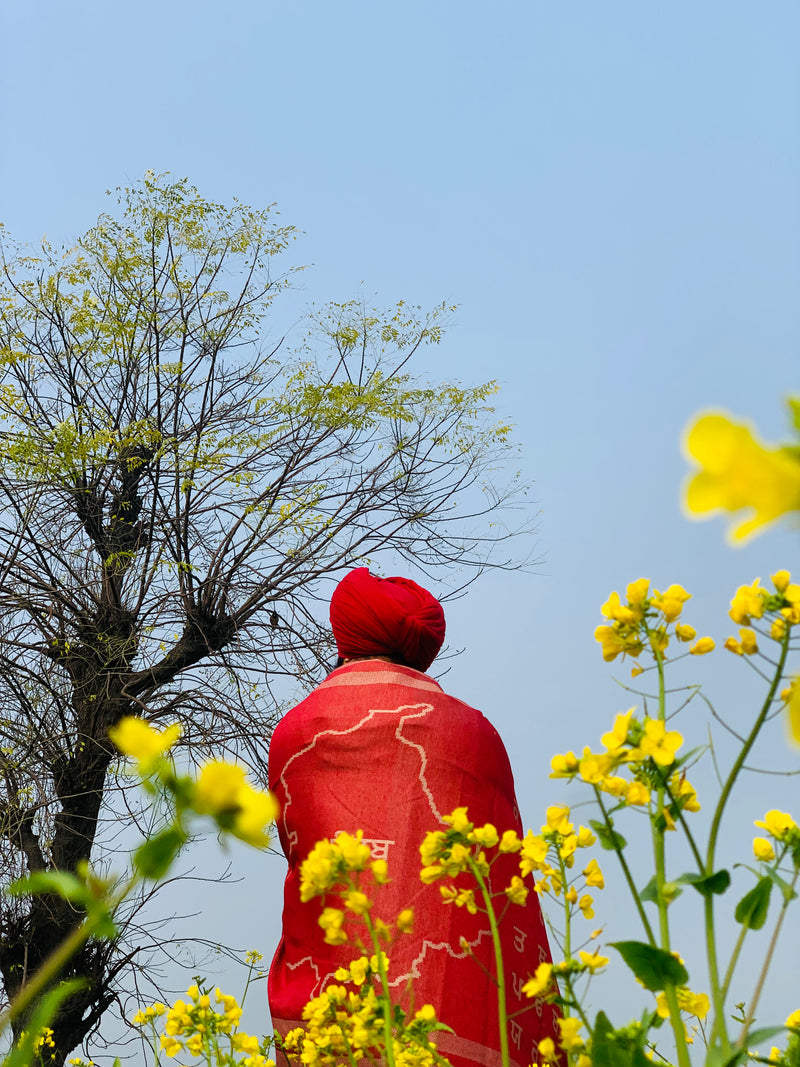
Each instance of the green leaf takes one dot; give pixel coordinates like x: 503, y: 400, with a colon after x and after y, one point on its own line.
x: 740, y: 1054
x: 654, y: 967
x: 61, y: 883
x: 649, y: 893
x: 785, y: 888
x: 154, y: 857
x: 609, y: 839
x: 605, y: 1052
x: 22, y: 1054
x: 706, y: 884
x: 751, y: 911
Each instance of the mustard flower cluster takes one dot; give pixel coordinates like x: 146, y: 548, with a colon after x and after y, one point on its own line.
x: 552, y: 852
x: 644, y: 621
x: 220, y: 791
x: 784, y: 832
x: 462, y: 849
x: 644, y: 748
x: 737, y: 472
x: 696, y: 1005
x: 336, y: 867
x: 43, y: 1047
x: 197, y: 1026
x: 346, y: 1025
x: 781, y: 608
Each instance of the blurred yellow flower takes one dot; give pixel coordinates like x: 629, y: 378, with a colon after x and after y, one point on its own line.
x: 332, y: 921
x: 683, y: 790
x: 585, y: 904
x: 541, y: 981
x: 702, y: 647
x: 458, y: 820
x: 637, y: 593
x: 684, y: 632
x: 569, y: 1039
x: 781, y: 579
x: 170, y: 1045
x: 223, y: 791
x: 547, y: 1050
x: 484, y: 835
x: 793, y: 712
x: 405, y: 921
x: 739, y: 472
x: 585, y: 837
x: 593, y: 960
x: 638, y: 794
x: 763, y: 850
x: 138, y: 739
x: 793, y: 1019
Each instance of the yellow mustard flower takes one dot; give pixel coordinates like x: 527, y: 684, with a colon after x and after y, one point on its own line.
x: 763, y: 850
x: 670, y: 602
x: 615, y: 642
x: 569, y: 1039
x: 170, y: 1045
x: 357, y: 902
x: 586, y: 905
x: 616, y: 610
x: 380, y: 871
x: 593, y: 875
x: 432, y: 873
x: 458, y: 820
x: 484, y: 835
x: 684, y: 632
x: 592, y: 960
x: 427, y: 1013
x: 793, y: 1019
x: 683, y: 790
x: 595, y: 765
x: 547, y: 1050
x: 432, y: 846
x: 509, y: 842
x: 618, y: 734
x: 696, y: 1004
x: 636, y: 593
x: 355, y: 854
x: 332, y: 921
x: 659, y: 743
x: 781, y: 580
x: 703, y: 646
x: 585, y: 837
x: 565, y: 766
x: 636, y: 671
x: 614, y: 785
x: 223, y: 791
x: 738, y: 472
x: 637, y: 795
x: 557, y: 816
x: 405, y: 921
x: 749, y: 601
x: 533, y: 853
x: 777, y: 824
x: 517, y: 891
x: 138, y: 739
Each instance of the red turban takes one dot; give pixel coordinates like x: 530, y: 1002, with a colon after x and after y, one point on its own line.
x: 386, y: 617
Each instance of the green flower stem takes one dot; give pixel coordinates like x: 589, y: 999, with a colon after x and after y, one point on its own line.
x: 58, y: 958
x: 719, y: 1028
x: 567, y: 912
x: 751, y: 1012
x: 733, y: 961
x: 387, y: 999
x: 626, y: 871
x: 502, y: 1013
x: 660, y: 864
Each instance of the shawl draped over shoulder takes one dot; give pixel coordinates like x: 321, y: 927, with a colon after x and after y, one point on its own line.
x: 381, y: 748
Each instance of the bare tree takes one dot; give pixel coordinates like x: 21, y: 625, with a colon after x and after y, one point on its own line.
x: 172, y: 496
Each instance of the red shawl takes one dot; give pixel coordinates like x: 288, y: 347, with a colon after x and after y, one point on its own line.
x: 381, y: 748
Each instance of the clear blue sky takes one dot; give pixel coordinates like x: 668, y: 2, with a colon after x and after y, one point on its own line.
x: 609, y: 192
